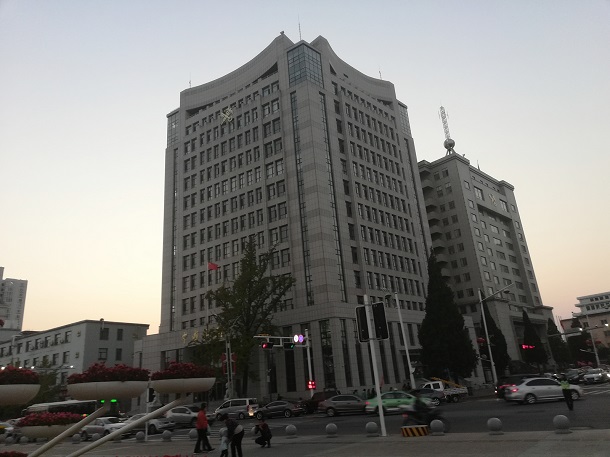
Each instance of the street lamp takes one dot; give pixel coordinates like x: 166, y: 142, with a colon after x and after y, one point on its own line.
x: 491, y: 357
x: 229, y: 355
x: 592, y: 338
x: 404, y: 338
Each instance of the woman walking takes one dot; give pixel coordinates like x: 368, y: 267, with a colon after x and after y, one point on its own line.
x: 202, y: 431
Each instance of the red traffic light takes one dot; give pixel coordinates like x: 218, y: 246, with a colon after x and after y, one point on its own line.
x: 311, y: 384
x: 267, y: 345
x: 527, y: 346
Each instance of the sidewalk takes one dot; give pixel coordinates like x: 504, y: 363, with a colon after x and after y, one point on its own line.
x: 592, y: 443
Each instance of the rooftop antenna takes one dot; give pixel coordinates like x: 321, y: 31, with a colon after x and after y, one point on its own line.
x: 300, y: 38
x: 380, y: 73
x: 449, y: 143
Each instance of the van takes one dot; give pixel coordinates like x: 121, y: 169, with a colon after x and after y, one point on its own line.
x: 239, y: 408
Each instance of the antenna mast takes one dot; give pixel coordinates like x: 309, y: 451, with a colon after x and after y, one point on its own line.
x: 449, y: 143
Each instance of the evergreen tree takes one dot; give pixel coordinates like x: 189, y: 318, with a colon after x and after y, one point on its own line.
x: 446, y: 344
x: 248, y: 305
x: 534, y: 351
x: 577, y: 342
x: 499, y: 348
x: 559, y: 348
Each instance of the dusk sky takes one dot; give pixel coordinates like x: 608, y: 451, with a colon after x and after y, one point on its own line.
x: 85, y: 87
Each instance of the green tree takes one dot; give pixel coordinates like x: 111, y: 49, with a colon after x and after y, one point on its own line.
x: 248, y: 305
x: 534, y: 350
x: 446, y: 344
x: 499, y: 348
x: 559, y: 348
x: 577, y: 342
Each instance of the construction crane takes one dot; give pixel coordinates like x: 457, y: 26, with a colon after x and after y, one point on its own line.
x: 449, y: 143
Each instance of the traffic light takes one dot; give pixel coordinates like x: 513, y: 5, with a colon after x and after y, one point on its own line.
x: 363, y: 328
x: 151, y: 395
x: 527, y: 346
x: 381, y: 325
x: 267, y: 345
x: 311, y: 384
x: 289, y: 345
x: 114, y: 400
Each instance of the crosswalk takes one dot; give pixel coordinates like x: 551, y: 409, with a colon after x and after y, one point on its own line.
x: 596, y: 389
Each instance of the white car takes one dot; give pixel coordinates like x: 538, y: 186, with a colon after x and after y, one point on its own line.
x: 102, y: 426
x: 532, y: 390
x: 596, y: 375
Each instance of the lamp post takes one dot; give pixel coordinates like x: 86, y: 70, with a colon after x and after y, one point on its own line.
x: 404, y: 338
x: 491, y: 357
x: 592, y: 338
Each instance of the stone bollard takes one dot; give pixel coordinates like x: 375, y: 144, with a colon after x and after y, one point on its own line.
x: 494, y: 425
x: 95, y: 437
x: 166, y: 435
x: 9, y: 440
x: 372, y: 429
x: 437, y: 428
x: 291, y: 431
x: 193, y: 434
x: 76, y: 438
x: 331, y: 431
x: 562, y: 424
x: 24, y: 440
x: 140, y: 436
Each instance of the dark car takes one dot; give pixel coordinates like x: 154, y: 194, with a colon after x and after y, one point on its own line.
x: 310, y: 405
x: 435, y: 396
x: 511, y: 380
x: 278, y: 408
x: 575, y: 376
x: 341, y: 404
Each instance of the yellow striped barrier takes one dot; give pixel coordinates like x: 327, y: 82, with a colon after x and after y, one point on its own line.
x: 415, y: 430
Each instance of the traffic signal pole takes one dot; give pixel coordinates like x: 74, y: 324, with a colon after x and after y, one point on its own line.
x: 308, y: 359
x: 373, y: 347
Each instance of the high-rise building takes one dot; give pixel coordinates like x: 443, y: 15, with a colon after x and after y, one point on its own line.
x: 302, y: 152
x: 478, y: 235
x: 12, y: 301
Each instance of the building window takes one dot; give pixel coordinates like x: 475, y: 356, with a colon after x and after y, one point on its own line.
x: 102, y: 354
x: 479, y: 193
x: 104, y: 333
x: 119, y: 334
x: 118, y: 354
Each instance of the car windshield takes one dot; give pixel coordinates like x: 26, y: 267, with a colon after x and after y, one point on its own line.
x: 595, y: 371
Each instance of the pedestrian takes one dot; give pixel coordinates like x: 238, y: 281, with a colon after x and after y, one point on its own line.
x: 235, y: 433
x: 224, y: 442
x: 567, y: 392
x: 202, y: 431
x: 265, y: 431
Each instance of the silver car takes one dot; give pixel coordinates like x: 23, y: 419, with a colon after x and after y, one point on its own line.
x: 342, y: 404
x: 532, y: 390
x: 596, y: 375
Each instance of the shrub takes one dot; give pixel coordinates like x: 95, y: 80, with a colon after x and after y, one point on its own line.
x: 14, y: 375
x: 99, y: 372
x: 183, y: 370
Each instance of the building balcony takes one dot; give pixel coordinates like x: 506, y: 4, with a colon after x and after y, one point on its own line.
x: 426, y: 183
x: 433, y: 216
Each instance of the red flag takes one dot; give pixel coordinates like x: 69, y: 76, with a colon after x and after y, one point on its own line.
x: 212, y: 266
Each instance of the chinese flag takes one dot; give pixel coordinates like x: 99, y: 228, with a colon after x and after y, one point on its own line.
x: 212, y: 266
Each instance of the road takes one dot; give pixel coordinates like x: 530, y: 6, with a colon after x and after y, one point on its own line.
x: 469, y: 416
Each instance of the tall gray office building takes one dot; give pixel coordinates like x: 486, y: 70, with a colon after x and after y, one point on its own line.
x: 305, y: 153
x: 12, y: 301
x: 479, y: 238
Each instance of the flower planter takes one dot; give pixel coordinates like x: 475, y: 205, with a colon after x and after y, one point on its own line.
x: 106, y: 390
x: 17, y: 394
x: 44, y: 431
x: 182, y: 385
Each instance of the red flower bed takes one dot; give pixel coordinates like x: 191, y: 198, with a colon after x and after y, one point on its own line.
x: 183, y: 370
x: 99, y: 372
x: 36, y: 419
x: 14, y: 375
x: 12, y: 454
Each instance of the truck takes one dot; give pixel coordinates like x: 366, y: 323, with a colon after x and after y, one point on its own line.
x: 453, y: 392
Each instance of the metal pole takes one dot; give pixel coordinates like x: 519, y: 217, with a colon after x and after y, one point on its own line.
x: 229, y: 367
x: 491, y: 357
x: 404, y: 338
x: 373, y: 347
x: 308, y: 358
x: 592, y: 340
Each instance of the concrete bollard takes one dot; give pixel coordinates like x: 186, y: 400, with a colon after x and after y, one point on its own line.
x: 193, y: 434
x: 372, y: 429
x: 562, y: 424
x: 494, y: 425
x: 24, y: 440
x: 9, y: 440
x: 291, y: 431
x: 166, y: 435
x: 140, y: 436
x: 331, y: 430
x: 437, y: 428
x: 76, y: 438
x: 95, y: 437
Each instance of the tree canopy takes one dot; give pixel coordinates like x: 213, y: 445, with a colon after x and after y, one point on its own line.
x: 533, y: 350
x: 446, y: 344
x: 499, y: 348
x: 248, y: 305
x: 559, y: 348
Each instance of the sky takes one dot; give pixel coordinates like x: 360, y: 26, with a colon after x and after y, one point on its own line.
x: 85, y: 87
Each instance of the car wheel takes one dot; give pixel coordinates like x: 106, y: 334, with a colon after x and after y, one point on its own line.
x: 455, y: 399
x: 530, y: 399
x: 435, y: 401
x: 330, y: 412
x: 241, y: 416
x: 84, y: 436
x: 575, y: 395
x: 152, y: 430
x: 287, y: 413
x: 218, y: 416
x: 259, y: 416
x: 106, y: 432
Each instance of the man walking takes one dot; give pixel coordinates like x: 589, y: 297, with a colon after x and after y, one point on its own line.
x: 202, y: 431
x: 567, y: 392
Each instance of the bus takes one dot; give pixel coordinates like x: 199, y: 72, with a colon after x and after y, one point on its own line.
x: 82, y: 407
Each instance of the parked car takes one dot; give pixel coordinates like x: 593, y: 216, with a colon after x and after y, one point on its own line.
x: 575, y: 376
x: 102, y: 426
x: 342, y: 404
x: 391, y: 402
x: 310, y: 405
x: 596, y: 375
x: 532, y: 390
x: 510, y: 381
x: 435, y: 396
x: 156, y: 425
x: 279, y: 408
x: 239, y: 408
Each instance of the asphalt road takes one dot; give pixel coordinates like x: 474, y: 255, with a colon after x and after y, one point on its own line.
x: 470, y: 416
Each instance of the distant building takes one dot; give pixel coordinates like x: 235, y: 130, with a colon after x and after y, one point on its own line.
x: 72, y: 348
x: 12, y: 302
x: 479, y: 238
x: 594, y: 315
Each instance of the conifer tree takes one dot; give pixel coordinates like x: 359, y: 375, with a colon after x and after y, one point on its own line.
x: 499, y: 348
x: 533, y: 351
x: 559, y: 348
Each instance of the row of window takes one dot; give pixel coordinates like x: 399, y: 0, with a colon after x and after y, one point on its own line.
x: 379, y: 216
x: 387, y: 260
x: 365, y: 119
x: 381, y: 281
x: 383, y: 238
x: 372, y: 157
